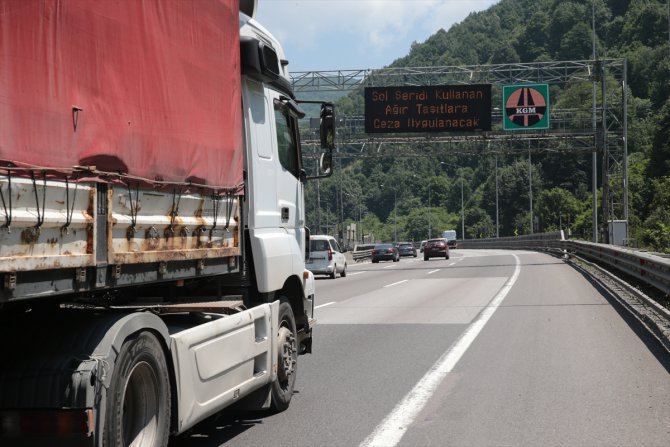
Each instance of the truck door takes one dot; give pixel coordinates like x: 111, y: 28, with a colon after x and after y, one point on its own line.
x: 289, y: 187
x: 275, y: 191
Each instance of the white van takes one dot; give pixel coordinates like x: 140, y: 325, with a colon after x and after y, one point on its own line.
x: 326, y: 257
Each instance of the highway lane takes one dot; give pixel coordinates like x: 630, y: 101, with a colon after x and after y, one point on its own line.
x: 554, y: 364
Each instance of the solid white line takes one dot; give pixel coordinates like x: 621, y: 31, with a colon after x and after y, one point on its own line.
x: 432, y: 271
x: 354, y: 273
x: 389, y: 266
x: 393, y: 427
x: 324, y: 305
x: 396, y: 283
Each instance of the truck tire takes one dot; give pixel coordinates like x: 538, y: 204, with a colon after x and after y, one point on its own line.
x: 138, y: 399
x: 287, y: 359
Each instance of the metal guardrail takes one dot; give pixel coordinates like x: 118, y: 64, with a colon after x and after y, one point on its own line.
x: 651, y: 269
x: 362, y: 252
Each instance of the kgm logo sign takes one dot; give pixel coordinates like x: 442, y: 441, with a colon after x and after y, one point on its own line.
x: 526, y: 107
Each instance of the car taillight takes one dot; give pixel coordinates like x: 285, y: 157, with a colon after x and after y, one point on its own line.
x: 330, y: 254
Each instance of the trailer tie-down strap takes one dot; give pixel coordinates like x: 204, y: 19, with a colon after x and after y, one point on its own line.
x: 40, y: 214
x: 176, y: 199
x: 130, y: 233
x: 8, y: 211
x: 216, y: 205
x: 69, y: 209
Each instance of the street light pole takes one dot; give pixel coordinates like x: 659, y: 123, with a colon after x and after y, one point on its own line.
x: 530, y: 187
x: 430, y: 223
x: 462, y: 203
x: 395, y: 216
x: 497, y: 224
x: 462, y: 211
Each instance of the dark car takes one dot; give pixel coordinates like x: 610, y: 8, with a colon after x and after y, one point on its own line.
x: 452, y: 243
x: 385, y: 252
x: 406, y: 249
x: 436, y: 248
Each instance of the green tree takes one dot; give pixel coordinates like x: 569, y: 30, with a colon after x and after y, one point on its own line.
x: 556, y: 209
x: 659, y: 165
x: 513, y: 194
x: 656, y: 233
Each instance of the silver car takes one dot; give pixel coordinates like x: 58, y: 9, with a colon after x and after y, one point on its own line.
x: 326, y: 257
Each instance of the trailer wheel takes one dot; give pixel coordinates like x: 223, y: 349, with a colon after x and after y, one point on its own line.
x: 287, y: 359
x: 138, y: 399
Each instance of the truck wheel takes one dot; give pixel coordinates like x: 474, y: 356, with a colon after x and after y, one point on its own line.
x: 138, y: 399
x: 287, y: 359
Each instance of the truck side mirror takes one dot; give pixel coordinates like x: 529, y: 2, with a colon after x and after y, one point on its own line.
x: 327, y: 129
x: 327, y: 137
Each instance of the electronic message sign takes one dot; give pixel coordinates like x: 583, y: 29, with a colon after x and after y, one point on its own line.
x: 435, y: 108
x: 526, y: 107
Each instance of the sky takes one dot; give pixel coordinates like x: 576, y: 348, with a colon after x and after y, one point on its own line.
x: 323, y: 35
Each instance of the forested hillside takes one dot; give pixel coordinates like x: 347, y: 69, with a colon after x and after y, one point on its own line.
x: 412, y: 196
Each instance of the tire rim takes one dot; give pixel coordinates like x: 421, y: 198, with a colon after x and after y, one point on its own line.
x: 140, y: 407
x: 287, y: 354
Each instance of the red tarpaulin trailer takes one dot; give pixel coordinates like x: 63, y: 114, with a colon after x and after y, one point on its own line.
x: 147, y: 88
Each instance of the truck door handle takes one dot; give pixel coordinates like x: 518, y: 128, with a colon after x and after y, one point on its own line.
x: 284, y: 214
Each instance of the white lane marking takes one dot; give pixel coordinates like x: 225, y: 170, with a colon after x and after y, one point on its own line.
x: 433, y: 271
x: 389, y: 266
x: 396, y: 283
x: 393, y: 427
x: 354, y: 273
x: 324, y: 305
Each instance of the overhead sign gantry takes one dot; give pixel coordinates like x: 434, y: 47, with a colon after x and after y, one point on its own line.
x: 598, y: 127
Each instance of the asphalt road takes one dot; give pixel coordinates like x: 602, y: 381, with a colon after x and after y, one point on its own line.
x: 489, y: 348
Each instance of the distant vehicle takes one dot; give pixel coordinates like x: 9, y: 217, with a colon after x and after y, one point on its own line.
x: 421, y: 246
x: 385, y: 252
x: 326, y: 257
x: 406, y: 249
x: 450, y: 236
x: 436, y: 248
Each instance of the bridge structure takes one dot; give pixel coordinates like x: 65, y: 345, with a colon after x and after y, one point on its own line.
x: 595, y: 123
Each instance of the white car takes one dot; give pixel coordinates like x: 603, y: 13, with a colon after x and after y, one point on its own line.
x: 326, y: 257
